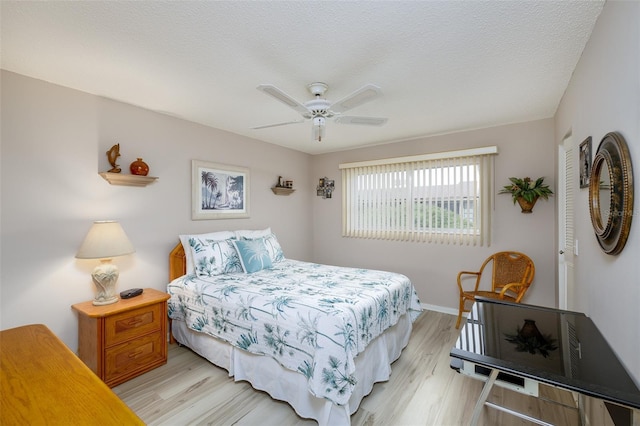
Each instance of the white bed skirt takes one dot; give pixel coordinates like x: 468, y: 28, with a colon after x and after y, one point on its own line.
x: 264, y: 373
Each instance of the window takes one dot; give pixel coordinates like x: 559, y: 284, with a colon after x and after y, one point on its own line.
x: 443, y: 197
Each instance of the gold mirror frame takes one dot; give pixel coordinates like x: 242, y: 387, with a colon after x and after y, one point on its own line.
x: 611, y: 217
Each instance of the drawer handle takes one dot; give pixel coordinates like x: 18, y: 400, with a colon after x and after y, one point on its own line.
x: 134, y: 322
x: 136, y: 353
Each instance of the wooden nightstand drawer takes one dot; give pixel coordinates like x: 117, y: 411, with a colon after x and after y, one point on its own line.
x: 125, y: 339
x: 129, y: 358
x: 124, y: 326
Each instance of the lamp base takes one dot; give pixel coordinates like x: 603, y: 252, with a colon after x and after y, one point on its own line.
x: 104, y: 277
x: 99, y: 302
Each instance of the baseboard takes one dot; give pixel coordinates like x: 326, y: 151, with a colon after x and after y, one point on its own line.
x: 441, y: 309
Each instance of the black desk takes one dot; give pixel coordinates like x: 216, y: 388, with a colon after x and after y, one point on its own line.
x: 518, y: 346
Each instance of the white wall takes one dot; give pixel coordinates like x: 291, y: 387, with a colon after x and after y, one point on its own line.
x: 604, y: 96
x: 525, y: 149
x: 54, y: 142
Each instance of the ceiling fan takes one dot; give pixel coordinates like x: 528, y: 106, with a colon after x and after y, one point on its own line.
x: 320, y: 109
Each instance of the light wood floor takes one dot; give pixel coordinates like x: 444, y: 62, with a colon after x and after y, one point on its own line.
x: 422, y: 390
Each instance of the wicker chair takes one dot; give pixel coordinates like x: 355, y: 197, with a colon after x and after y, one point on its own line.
x: 513, y: 273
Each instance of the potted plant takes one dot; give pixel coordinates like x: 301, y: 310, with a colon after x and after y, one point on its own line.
x: 526, y: 192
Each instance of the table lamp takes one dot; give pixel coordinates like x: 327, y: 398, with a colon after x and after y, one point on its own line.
x: 106, y: 239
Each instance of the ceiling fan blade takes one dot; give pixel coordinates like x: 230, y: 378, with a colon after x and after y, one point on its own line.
x: 364, y: 94
x: 366, y: 121
x: 266, y: 126
x: 278, y: 94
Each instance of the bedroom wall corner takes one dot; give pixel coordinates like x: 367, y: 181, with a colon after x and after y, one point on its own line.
x: 525, y: 149
x: 54, y: 142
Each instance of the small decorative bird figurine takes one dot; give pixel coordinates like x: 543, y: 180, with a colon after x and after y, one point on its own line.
x: 112, y: 156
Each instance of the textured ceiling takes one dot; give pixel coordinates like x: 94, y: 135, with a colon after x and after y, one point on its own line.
x: 443, y: 66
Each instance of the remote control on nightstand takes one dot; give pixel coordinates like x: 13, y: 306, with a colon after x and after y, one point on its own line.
x: 132, y: 292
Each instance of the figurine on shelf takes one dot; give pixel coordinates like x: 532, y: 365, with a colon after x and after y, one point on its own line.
x: 112, y: 156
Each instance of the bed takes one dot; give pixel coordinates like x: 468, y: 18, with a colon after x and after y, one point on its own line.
x: 316, y: 336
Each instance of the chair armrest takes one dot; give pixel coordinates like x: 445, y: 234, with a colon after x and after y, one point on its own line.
x: 509, y: 287
x: 461, y: 273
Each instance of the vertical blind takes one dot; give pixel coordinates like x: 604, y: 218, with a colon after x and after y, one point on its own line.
x: 440, y: 198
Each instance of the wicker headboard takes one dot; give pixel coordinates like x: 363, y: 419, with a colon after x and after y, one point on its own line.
x: 177, y: 262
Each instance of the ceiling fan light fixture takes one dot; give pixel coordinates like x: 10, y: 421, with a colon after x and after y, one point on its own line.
x: 366, y: 121
x: 320, y: 109
x: 319, y: 124
x: 363, y: 95
x: 278, y: 95
x: 317, y: 89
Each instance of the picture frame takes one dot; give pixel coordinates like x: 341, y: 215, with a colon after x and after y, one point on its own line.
x: 325, y: 187
x: 585, y: 162
x: 219, y: 191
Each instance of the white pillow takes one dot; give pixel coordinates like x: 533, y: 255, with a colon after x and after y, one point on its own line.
x: 248, y: 234
x: 193, y: 243
x: 273, y: 248
x: 217, y: 258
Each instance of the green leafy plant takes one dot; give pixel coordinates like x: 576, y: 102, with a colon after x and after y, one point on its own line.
x: 527, y: 189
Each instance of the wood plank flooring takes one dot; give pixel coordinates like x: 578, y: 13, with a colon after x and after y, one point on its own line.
x: 422, y: 390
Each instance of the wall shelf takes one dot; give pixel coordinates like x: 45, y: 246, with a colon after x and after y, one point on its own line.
x: 280, y: 190
x: 127, y: 180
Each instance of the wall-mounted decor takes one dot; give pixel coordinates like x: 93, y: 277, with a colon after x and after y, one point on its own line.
x: 283, y: 187
x: 127, y: 180
x: 611, y: 193
x: 136, y: 178
x: 325, y: 187
x: 526, y: 191
x: 585, y: 162
x: 139, y: 167
x: 112, y: 156
x: 219, y: 191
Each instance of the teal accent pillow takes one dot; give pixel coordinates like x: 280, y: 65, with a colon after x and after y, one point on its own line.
x: 253, y: 254
x: 273, y: 247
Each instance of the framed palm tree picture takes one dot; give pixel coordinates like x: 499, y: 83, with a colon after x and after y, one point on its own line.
x: 219, y: 191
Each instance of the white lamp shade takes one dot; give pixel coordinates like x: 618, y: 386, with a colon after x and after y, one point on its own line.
x: 106, y: 239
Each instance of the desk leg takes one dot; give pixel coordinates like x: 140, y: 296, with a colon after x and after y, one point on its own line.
x: 483, y: 396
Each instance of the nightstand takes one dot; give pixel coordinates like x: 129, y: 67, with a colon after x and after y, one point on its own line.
x: 125, y: 339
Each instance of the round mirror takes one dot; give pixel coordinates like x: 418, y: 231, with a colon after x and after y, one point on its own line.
x: 611, y: 193
x: 605, y: 193
x: 601, y: 202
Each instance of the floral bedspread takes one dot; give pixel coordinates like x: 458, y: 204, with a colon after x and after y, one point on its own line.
x: 311, y: 318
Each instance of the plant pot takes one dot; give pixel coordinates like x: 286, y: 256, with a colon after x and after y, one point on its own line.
x: 526, y: 206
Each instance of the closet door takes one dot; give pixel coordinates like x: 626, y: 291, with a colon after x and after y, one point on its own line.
x: 566, y: 252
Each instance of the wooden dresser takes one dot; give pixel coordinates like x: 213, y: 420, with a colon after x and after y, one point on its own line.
x: 125, y: 339
x: 43, y: 382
